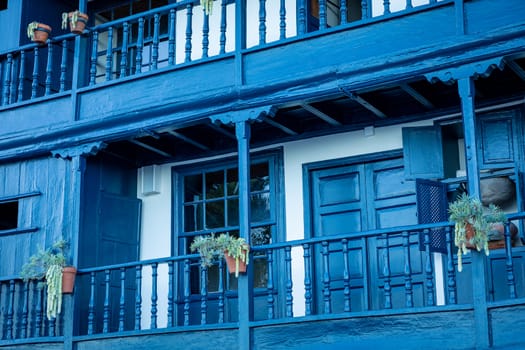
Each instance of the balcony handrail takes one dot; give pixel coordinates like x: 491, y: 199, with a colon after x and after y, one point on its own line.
x: 30, y: 46
x: 162, y: 260
x: 137, y: 16
x: 356, y: 234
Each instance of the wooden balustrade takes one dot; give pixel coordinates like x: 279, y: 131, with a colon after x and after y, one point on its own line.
x: 167, y: 36
x: 369, y: 271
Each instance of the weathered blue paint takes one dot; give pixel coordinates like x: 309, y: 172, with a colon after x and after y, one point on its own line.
x: 403, y: 331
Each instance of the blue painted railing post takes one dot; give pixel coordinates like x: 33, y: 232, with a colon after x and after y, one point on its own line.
x: 479, y: 289
x: 81, y: 62
x: 68, y: 314
x: 240, y: 39
x: 242, y: 131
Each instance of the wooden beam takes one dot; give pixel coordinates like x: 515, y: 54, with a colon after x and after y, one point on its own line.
x: 320, y: 114
x: 364, y: 103
x: 416, y: 95
x: 516, y: 68
x: 151, y: 148
x: 222, y: 131
x: 153, y: 134
x: 188, y: 140
x: 279, y: 126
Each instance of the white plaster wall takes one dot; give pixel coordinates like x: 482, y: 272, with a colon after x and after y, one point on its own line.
x: 155, y: 242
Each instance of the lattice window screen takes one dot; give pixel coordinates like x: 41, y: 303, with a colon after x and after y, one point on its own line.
x: 432, y: 207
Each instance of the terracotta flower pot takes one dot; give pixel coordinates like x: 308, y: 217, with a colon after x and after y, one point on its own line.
x: 41, y: 33
x: 80, y: 24
x: 497, y: 235
x: 68, y: 279
x: 469, y: 234
x: 231, y: 263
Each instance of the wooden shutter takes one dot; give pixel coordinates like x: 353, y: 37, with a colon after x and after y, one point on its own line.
x: 432, y: 206
x: 423, y: 152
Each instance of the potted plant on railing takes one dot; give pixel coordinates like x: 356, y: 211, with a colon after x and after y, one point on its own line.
x: 38, y: 32
x: 235, y: 251
x: 77, y: 21
x: 472, y: 224
x: 49, y: 267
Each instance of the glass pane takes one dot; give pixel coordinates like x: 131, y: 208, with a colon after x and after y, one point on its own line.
x: 193, y: 217
x: 193, y: 188
x: 232, y: 281
x: 233, y: 212
x: 215, y: 184
x: 215, y: 214
x: 213, y: 278
x: 195, y: 278
x: 233, y: 182
x: 260, y: 207
x: 260, y: 180
x: 261, y: 235
x: 260, y: 273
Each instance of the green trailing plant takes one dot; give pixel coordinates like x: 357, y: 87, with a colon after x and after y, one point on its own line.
x: 46, y: 267
x: 472, y: 224
x: 74, y: 19
x: 31, y: 27
x: 212, y: 247
x: 208, y: 248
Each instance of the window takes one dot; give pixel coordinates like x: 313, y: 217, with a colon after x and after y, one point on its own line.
x: 14, y: 212
x: 209, y: 198
x: 3, y: 5
x: 9, y: 215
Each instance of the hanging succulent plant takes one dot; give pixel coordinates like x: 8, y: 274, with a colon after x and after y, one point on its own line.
x: 207, y: 5
x: 46, y: 266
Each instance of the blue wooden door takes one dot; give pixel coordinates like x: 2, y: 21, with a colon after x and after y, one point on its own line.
x: 349, y: 199
x: 339, y: 207
x: 116, y: 240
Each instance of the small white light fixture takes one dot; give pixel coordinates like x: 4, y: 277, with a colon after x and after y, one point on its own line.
x: 150, y: 180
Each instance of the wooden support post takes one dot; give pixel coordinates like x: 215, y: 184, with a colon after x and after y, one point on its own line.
x: 76, y: 159
x: 242, y: 130
x: 479, y: 279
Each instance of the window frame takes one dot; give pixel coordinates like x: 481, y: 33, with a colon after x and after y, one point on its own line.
x: 19, y: 198
x: 276, y: 196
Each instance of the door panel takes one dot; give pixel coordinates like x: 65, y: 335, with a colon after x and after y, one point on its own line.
x: 360, y: 197
x: 337, y: 197
x: 337, y: 207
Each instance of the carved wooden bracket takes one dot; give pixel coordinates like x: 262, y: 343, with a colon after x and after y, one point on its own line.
x: 88, y: 149
x: 255, y: 114
x: 474, y: 70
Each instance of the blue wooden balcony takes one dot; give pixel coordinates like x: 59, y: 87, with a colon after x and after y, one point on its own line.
x: 323, y: 290
x: 177, y: 67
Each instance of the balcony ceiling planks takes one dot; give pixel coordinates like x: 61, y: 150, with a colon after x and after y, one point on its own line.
x: 385, y: 105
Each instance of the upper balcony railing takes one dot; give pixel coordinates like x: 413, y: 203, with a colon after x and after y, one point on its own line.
x: 377, y: 272
x: 176, y: 35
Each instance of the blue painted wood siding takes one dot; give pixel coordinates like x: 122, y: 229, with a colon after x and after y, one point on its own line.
x: 45, y: 213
